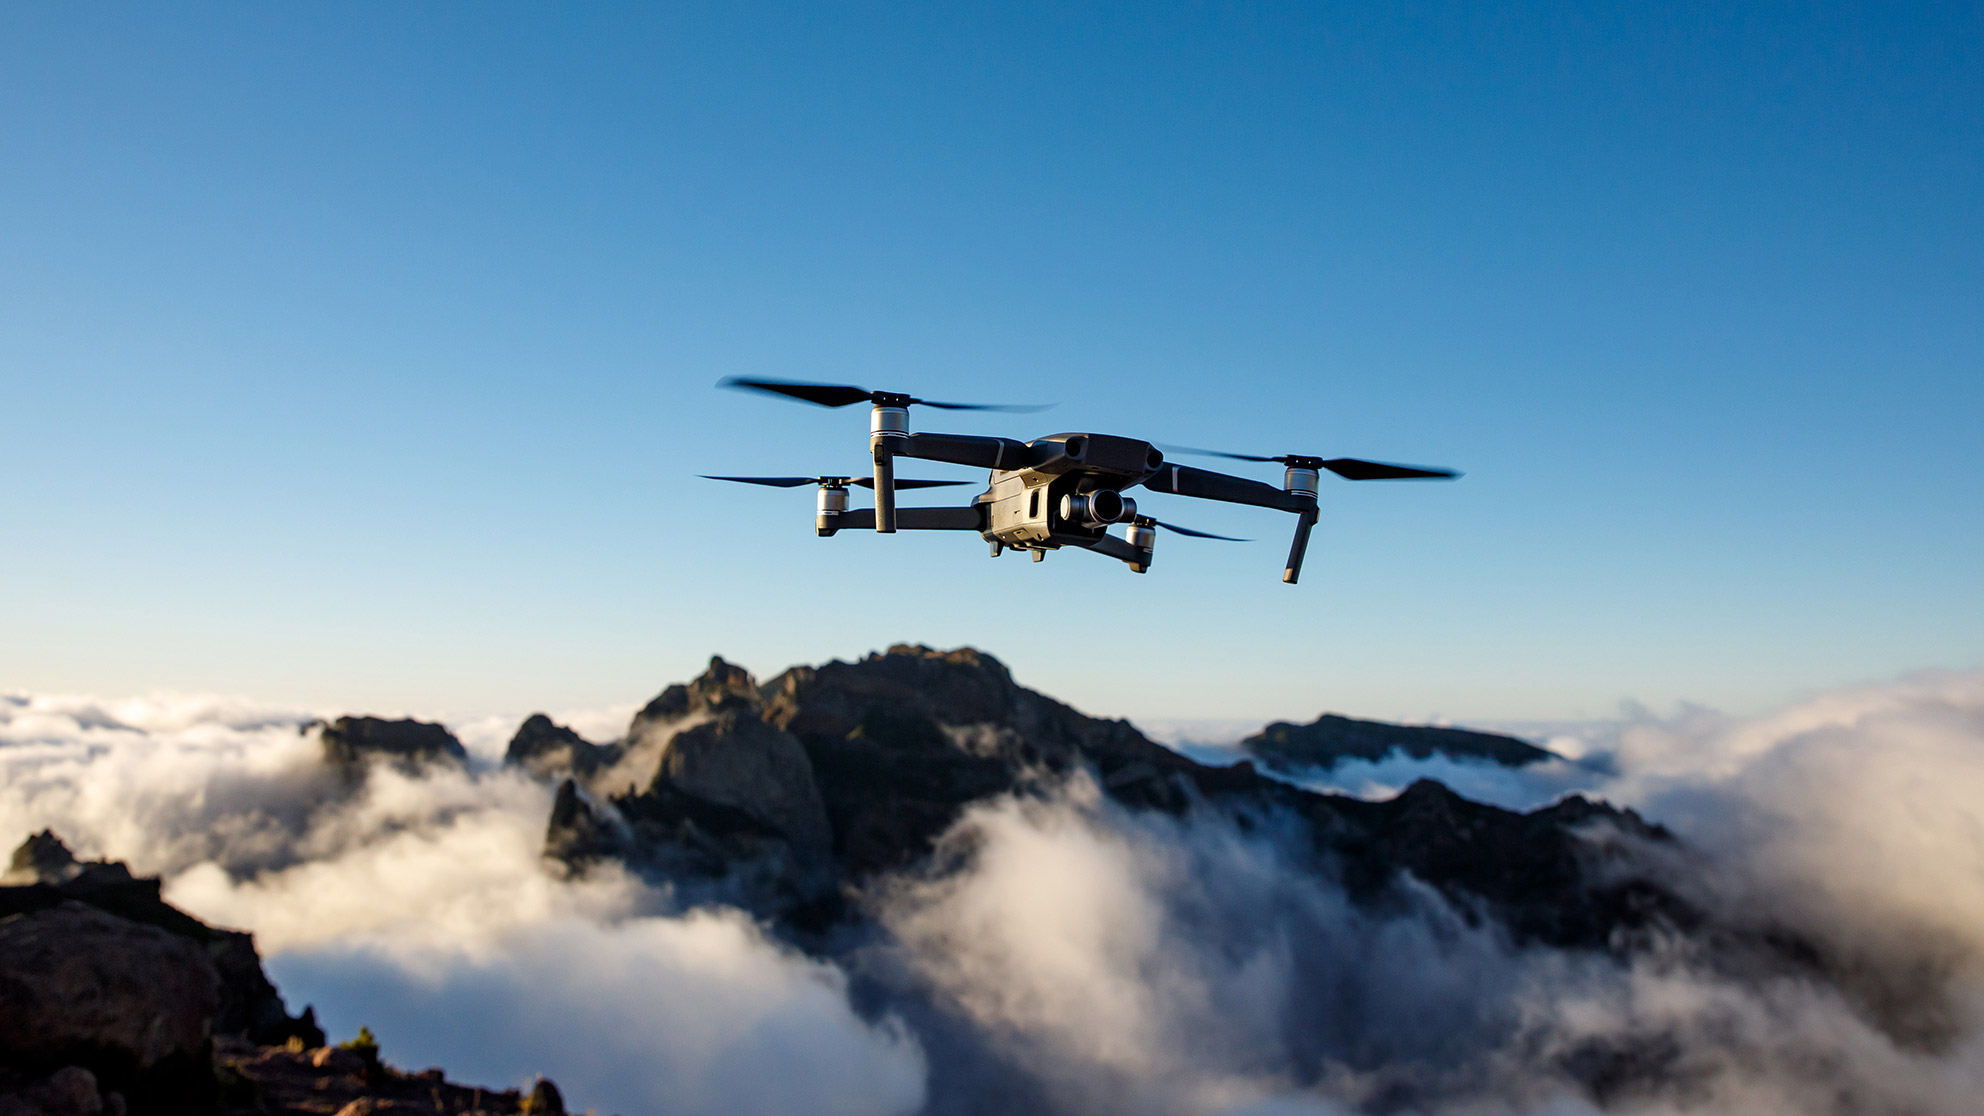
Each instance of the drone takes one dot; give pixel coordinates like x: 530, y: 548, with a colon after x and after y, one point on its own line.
x: 1063, y: 490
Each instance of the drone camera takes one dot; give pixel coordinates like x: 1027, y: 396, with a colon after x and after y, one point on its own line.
x: 1098, y: 509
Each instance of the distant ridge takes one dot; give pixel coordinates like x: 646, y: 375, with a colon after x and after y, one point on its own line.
x: 1332, y: 738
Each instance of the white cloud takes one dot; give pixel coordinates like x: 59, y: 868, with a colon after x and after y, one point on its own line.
x: 422, y: 907
x: 1104, y: 961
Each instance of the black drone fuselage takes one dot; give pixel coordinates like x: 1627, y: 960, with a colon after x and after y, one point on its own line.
x: 1064, y: 490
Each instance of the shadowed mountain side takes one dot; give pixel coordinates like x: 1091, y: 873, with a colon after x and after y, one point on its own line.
x: 790, y: 796
x: 1332, y: 739
x: 114, y: 1001
x: 409, y: 745
x: 545, y: 748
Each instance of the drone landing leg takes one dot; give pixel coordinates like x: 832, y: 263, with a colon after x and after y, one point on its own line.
x: 885, y: 492
x: 1299, y: 547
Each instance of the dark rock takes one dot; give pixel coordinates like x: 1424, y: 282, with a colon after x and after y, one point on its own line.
x: 1331, y: 739
x: 738, y: 760
x: 69, y: 1091
x: 350, y: 743
x: 289, y: 1079
x: 131, y: 1003
x: 248, y: 1003
x: 576, y: 833
x: 548, y: 750
x: 544, y: 1100
x: 42, y: 858
x: 899, y: 744
x: 902, y: 742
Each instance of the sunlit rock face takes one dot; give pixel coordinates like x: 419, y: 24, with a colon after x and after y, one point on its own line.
x: 792, y: 794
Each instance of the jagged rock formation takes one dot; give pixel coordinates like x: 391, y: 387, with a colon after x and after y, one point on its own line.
x: 44, y: 877
x: 131, y: 1005
x: 795, y: 793
x: 1331, y: 739
x: 544, y: 747
x: 100, y: 975
x: 350, y: 743
x: 113, y: 1002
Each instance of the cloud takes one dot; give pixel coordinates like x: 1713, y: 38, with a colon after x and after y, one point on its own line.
x: 422, y: 908
x: 690, y: 1014
x: 1077, y: 957
x: 1137, y: 963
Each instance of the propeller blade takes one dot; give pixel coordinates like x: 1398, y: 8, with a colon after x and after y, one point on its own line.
x: 1216, y: 453
x: 1009, y: 408
x: 842, y: 395
x: 1197, y: 534
x: 826, y: 395
x: 772, y: 482
x: 869, y: 482
x: 1350, y: 468
x: 864, y: 482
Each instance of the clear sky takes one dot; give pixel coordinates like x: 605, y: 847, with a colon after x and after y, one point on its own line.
x: 362, y: 355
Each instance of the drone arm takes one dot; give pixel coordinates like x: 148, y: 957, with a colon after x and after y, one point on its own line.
x: 1109, y: 546
x: 919, y: 519
x: 967, y: 449
x: 1208, y: 485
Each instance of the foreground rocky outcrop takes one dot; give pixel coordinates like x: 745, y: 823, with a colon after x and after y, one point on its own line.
x: 791, y: 796
x: 112, y: 1001
x: 1331, y: 739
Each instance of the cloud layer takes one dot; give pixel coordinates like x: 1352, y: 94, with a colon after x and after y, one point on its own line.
x: 1085, y: 959
x: 422, y: 908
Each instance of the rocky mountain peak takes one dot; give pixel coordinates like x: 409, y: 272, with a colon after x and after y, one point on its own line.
x: 45, y: 859
x: 723, y: 684
x: 350, y: 743
x: 546, y: 749
x: 793, y: 794
x: 42, y: 858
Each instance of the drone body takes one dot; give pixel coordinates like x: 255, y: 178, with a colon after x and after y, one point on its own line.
x: 1064, y: 490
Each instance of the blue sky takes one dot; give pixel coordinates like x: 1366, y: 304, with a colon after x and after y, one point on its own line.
x: 361, y: 356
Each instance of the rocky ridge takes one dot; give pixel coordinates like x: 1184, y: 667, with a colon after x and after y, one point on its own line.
x: 1332, y: 739
x: 799, y: 799
x: 789, y: 797
x: 113, y: 1001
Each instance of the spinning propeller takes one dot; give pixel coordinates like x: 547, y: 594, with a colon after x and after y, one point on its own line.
x: 831, y: 482
x: 842, y: 395
x: 1349, y: 468
x: 1189, y: 531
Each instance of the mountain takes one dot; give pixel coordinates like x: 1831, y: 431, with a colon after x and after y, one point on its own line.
x: 1331, y: 739
x: 787, y: 797
x: 113, y: 1001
